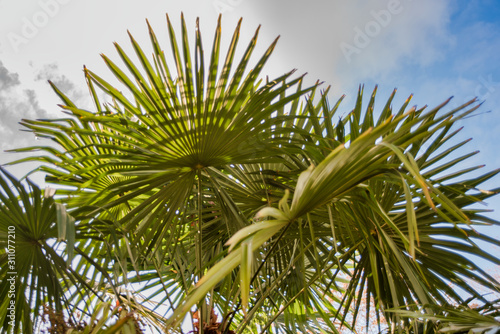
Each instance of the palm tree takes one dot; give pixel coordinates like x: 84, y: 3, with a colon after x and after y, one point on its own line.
x: 156, y: 182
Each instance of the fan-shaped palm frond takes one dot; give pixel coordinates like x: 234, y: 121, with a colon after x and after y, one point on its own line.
x: 34, y: 273
x: 150, y: 164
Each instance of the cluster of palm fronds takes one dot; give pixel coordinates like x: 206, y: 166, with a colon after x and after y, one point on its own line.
x: 204, y: 186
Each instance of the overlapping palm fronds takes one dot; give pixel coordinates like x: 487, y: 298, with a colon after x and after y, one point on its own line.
x: 385, y: 217
x: 206, y: 186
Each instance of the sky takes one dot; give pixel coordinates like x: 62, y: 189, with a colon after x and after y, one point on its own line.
x: 432, y: 49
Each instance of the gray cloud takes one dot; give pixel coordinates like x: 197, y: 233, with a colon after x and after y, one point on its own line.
x: 16, y: 103
x: 51, y: 72
x: 7, y: 79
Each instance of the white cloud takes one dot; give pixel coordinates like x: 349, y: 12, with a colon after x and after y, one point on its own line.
x: 313, y: 33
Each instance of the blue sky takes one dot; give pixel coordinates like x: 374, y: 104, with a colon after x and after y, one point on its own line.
x: 433, y: 49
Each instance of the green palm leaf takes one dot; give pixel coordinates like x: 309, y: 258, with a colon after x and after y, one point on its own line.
x: 33, y: 273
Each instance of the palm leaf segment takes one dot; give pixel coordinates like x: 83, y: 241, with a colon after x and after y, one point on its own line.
x: 33, y: 273
x: 371, y: 204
